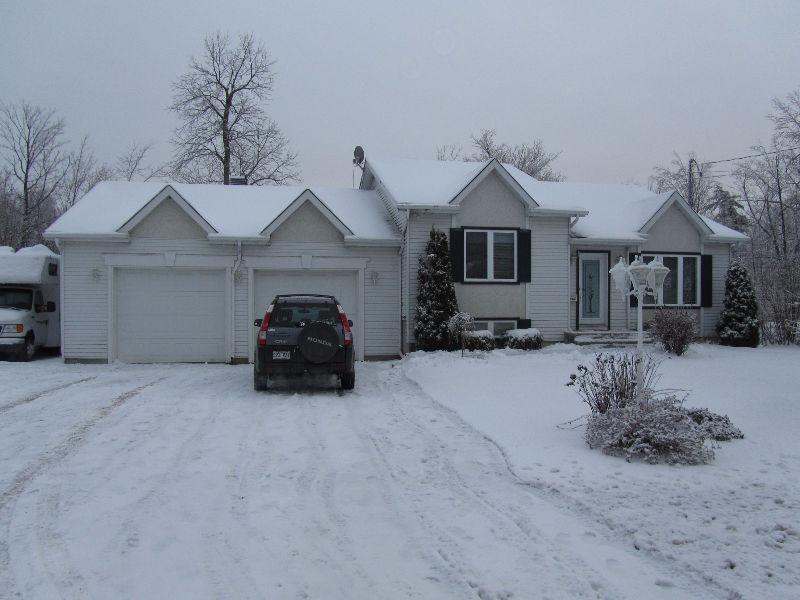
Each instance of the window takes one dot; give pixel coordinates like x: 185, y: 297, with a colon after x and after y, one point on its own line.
x: 52, y: 269
x: 490, y: 255
x: 496, y: 327
x: 682, y: 284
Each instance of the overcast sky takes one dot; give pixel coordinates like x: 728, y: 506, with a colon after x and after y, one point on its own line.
x: 614, y: 86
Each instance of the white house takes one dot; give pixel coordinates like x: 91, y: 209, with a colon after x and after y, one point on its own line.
x: 154, y: 272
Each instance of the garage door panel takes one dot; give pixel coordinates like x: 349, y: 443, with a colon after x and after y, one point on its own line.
x: 341, y: 284
x: 171, y: 315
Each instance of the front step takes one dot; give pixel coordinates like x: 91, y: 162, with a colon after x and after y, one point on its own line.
x: 608, y: 339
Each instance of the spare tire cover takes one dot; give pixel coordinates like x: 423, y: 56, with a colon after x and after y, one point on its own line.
x: 318, y: 342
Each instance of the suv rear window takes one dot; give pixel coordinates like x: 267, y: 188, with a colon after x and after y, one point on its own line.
x: 289, y: 314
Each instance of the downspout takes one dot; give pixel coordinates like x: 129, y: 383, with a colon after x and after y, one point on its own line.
x: 403, y: 303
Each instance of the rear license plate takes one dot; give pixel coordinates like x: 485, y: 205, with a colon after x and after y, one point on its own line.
x: 281, y: 354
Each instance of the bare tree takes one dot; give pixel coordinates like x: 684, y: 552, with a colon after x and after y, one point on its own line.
x: 225, y: 130
x: 132, y: 164
x: 676, y: 177
x: 32, y: 150
x: 83, y: 172
x: 530, y: 158
x: 9, y: 211
x: 786, y: 118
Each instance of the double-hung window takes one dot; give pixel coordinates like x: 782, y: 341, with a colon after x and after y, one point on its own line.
x: 682, y: 284
x: 497, y: 327
x: 490, y: 255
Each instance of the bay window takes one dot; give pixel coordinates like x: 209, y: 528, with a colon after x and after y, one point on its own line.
x: 682, y: 284
x: 490, y: 255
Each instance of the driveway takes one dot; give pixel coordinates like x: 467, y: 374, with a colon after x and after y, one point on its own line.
x: 129, y: 481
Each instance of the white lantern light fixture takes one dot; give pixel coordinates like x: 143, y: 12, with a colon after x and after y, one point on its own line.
x: 622, y: 280
x: 639, y: 271
x: 655, y: 278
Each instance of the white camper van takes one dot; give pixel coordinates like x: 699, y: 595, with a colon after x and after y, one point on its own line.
x: 29, y: 301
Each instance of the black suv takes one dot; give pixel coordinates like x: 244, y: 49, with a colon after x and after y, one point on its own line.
x: 304, y: 333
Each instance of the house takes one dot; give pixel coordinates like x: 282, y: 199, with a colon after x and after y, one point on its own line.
x: 168, y: 273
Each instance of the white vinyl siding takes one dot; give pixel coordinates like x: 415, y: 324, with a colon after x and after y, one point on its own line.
x: 548, y: 292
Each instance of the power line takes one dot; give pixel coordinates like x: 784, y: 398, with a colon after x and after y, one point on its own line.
x: 714, y: 162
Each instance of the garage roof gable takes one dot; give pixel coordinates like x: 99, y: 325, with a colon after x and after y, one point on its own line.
x: 167, y: 193
x: 306, y: 196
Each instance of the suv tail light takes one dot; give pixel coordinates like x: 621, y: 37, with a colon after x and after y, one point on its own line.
x: 348, y: 335
x: 262, y: 331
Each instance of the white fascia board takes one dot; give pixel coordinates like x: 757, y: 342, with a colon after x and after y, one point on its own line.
x: 350, y: 240
x: 216, y: 238
x: 441, y: 208
x: 558, y: 212
x: 727, y: 239
x: 585, y: 241
x: 87, y: 237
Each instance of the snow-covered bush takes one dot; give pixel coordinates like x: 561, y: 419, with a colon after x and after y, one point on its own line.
x: 656, y: 430
x: 718, y: 427
x: 436, y: 296
x: 459, y: 324
x: 611, y: 380
x: 523, y: 339
x: 674, y: 329
x: 738, y: 321
x: 479, y: 340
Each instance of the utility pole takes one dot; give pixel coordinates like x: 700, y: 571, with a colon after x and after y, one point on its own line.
x: 691, y: 181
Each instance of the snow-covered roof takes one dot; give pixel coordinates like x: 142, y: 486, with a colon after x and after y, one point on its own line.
x: 232, y: 211
x: 26, y: 266
x: 615, y: 211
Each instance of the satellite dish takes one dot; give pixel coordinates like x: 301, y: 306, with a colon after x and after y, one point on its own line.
x: 358, y: 157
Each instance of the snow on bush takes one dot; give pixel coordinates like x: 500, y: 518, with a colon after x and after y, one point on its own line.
x: 479, y: 340
x: 611, y: 380
x: 436, y: 296
x: 657, y: 429
x: 738, y: 321
x: 674, y: 329
x: 459, y: 324
x: 523, y: 339
x: 718, y: 427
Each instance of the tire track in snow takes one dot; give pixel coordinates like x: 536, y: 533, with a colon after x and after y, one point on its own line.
x: 10, y: 495
x: 556, y: 498
x: 37, y: 395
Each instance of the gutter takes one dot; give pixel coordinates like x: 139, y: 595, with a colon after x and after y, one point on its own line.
x: 87, y: 237
x: 558, y: 212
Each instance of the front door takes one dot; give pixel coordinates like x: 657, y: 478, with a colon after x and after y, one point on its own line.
x: 592, y: 289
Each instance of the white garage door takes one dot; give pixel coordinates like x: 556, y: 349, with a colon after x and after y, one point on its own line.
x: 171, y: 315
x: 342, y: 284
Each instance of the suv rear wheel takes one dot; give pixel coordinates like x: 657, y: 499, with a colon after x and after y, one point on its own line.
x: 260, y: 382
x: 348, y: 380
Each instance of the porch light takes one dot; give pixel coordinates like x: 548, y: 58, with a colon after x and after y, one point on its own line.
x: 621, y: 277
x: 639, y: 272
x: 656, y: 276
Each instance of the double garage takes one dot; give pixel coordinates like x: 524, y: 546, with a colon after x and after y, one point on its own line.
x: 182, y: 314
x: 179, y: 273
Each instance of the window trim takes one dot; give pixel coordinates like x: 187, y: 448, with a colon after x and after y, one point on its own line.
x: 491, y: 323
x: 490, y: 255
x: 681, y: 257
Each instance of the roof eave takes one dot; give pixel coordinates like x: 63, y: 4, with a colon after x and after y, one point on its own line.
x: 608, y: 241
x: 558, y: 212
x: 86, y: 237
x: 443, y: 208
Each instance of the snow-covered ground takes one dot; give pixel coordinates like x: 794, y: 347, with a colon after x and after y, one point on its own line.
x: 733, y: 526
x: 438, y: 477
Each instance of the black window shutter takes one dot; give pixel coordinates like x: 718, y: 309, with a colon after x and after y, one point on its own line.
x: 706, y: 266
x: 631, y: 258
x: 524, y: 255
x: 457, y: 254
x: 523, y: 323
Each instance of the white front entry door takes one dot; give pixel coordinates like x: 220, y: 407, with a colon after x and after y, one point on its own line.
x: 592, y: 289
x: 341, y: 284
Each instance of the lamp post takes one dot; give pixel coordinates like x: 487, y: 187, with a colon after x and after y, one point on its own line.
x: 639, y: 279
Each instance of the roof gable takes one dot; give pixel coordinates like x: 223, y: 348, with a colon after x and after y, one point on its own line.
x: 167, y: 193
x: 494, y: 166
x: 307, y: 196
x: 675, y: 199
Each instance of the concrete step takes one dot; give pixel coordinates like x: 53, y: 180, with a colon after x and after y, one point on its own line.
x: 604, y: 338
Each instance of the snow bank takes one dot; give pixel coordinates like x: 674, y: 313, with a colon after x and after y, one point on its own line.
x: 521, y: 334
x: 732, y: 523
